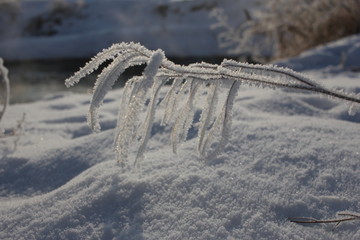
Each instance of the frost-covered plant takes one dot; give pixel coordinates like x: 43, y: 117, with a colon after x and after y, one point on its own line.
x: 5, y: 94
x: 285, y: 28
x: 4, y: 102
x: 188, y: 83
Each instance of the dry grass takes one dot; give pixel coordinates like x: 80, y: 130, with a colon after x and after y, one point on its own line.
x: 285, y: 28
x: 305, y: 24
x: 341, y: 218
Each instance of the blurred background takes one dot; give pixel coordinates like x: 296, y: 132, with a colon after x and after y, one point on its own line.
x: 43, y: 42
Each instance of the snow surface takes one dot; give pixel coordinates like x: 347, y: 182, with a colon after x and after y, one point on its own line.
x: 181, y: 28
x: 291, y: 154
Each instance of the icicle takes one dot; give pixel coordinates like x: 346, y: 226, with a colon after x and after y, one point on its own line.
x: 126, y: 132
x: 170, y: 101
x: 185, y: 117
x: 208, y: 113
x: 145, y: 130
x: 125, y: 103
x: 222, y: 123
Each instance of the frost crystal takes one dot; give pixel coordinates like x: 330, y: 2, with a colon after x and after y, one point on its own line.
x: 189, y: 83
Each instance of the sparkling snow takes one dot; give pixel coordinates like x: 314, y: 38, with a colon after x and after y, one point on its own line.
x: 291, y: 154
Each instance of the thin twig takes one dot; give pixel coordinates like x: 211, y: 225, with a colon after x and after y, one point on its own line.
x: 308, y: 84
x: 309, y: 220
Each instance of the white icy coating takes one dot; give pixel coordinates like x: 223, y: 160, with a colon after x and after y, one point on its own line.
x: 230, y: 74
x: 128, y: 124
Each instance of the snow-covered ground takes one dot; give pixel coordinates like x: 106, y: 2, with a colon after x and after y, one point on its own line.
x: 41, y: 29
x: 291, y: 154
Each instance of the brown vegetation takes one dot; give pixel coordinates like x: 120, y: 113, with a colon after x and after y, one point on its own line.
x: 285, y: 28
x: 303, y: 25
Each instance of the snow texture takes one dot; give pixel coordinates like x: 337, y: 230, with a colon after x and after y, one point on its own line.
x: 290, y: 154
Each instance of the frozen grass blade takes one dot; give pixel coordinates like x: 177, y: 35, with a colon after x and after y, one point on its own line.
x: 141, y: 93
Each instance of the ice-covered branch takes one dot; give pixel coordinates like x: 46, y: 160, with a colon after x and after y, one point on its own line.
x: 141, y: 94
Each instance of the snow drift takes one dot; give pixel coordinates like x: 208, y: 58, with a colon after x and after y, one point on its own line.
x: 291, y: 154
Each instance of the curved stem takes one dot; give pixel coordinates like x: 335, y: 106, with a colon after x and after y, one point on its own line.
x: 238, y: 76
